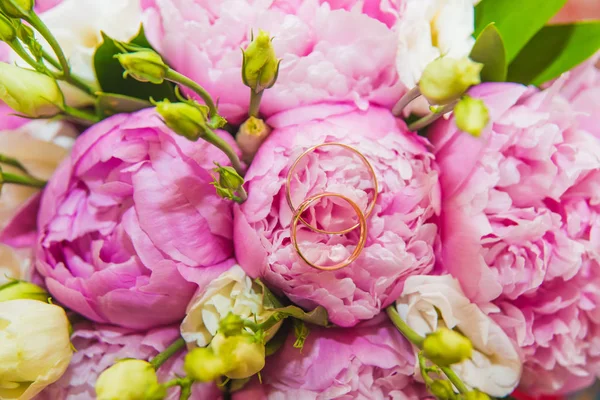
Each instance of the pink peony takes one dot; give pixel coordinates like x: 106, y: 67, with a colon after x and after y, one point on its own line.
x: 100, y: 346
x: 578, y: 10
x: 519, y: 228
x: 329, y: 53
x: 582, y: 89
x: 127, y: 217
x: 373, y: 362
x: 402, y: 231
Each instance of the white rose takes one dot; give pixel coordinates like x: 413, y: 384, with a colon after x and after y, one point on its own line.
x: 495, y: 367
x: 77, y: 26
x: 233, y: 291
x: 429, y: 29
x: 34, y: 347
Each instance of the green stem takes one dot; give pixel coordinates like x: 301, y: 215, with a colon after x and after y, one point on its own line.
x: 255, y: 99
x: 80, y: 116
x: 7, y: 177
x: 454, y: 379
x: 405, y: 100
x: 163, y: 356
x: 176, y: 77
x: 186, y: 389
x: 71, y: 78
x: 403, y: 327
x: 39, y: 25
x: 13, y: 162
x: 423, y: 367
x: 243, y: 196
x: 214, y: 139
x: 21, y: 52
x: 429, y: 119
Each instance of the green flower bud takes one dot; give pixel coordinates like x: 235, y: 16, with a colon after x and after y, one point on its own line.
x: 16, y: 8
x: 251, y: 135
x: 231, y: 325
x: 446, y: 79
x: 442, y: 390
x: 144, y: 65
x: 22, y: 290
x: 183, y: 118
x: 229, y: 178
x: 29, y: 92
x: 243, y: 355
x: 203, y: 365
x: 471, y: 115
x: 8, y: 32
x: 445, y: 347
x: 260, y: 67
x: 129, y: 380
x: 475, y: 395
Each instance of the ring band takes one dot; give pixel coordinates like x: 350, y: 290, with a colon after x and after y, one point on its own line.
x: 362, y: 223
x: 370, y: 207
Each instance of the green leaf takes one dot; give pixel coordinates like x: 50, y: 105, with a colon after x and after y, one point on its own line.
x: 108, y: 104
x: 301, y: 331
x: 554, y: 50
x: 109, y: 73
x: 489, y: 50
x: 517, y: 21
x: 273, y: 345
x: 318, y: 316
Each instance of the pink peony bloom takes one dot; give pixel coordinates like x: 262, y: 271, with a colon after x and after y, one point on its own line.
x: 578, y: 10
x: 582, y: 89
x: 373, y: 362
x: 402, y: 231
x: 127, y: 217
x: 100, y: 346
x: 329, y: 53
x: 519, y: 228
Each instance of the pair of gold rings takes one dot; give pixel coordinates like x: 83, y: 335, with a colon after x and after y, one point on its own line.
x: 362, y: 216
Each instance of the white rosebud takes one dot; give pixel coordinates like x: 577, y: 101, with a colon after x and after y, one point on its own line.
x: 429, y: 29
x: 232, y: 292
x: 495, y: 366
x: 34, y: 347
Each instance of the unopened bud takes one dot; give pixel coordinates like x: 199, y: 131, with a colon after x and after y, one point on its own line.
x: 446, y: 79
x: 144, y: 66
x: 129, y: 380
x: 22, y: 290
x: 442, y: 390
x: 29, y: 92
x: 231, y: 325
x: 228, y: 177
x: 475, y: 395
x: 471, y: 115
x: 7, y: 29
x: 203, y: 365
x: 251, y: 136
x: 244, y: 356
x: 445, y: 347
x: 184, y: 119
x: 260, y: 67
x: 16, y: 8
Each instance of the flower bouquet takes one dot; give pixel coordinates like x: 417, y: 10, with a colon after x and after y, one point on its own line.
x: 287, y: 199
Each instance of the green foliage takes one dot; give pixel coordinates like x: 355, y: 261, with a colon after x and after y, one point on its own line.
x: 110, y: 73
x: 553, y: 50
x: 489, y: 50
x: 517, y: 21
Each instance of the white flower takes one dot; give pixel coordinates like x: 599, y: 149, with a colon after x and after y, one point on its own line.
x: 233, y: 291
x: 495, y: 367
x: 34, y: 347
x: 14, y: 264
x: 77, y: 26
x: 429, y: 29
